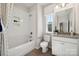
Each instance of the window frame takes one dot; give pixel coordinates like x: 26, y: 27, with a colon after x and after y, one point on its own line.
x: 46, y: 17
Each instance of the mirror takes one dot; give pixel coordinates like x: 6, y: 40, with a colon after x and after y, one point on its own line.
x: 63, y: 21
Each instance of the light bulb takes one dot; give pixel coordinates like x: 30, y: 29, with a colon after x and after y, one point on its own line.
x: 63, y: 4
x: 57, y: 7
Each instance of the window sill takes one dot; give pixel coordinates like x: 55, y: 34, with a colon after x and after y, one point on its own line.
x: 50, y: 33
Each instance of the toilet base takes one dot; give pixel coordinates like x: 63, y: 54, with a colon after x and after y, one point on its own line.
x: 44, y: 50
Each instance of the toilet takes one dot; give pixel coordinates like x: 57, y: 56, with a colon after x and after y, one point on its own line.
x: 44, y: 44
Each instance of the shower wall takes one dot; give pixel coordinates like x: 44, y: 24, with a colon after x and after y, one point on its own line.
x: 17, y: 34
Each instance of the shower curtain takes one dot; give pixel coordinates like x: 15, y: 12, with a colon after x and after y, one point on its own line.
x: 6, y: 11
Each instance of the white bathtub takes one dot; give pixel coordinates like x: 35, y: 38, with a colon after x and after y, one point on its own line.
x: 18, y: 45
x: 21, y: 49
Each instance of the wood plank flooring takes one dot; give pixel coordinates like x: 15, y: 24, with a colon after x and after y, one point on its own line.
x: 38, y: 52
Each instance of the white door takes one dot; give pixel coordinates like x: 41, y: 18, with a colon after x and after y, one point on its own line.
x: 57, y: 48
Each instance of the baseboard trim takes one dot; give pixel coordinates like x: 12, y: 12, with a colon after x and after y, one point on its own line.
x: 37, y: 47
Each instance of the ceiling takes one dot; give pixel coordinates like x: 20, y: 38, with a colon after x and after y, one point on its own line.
x: 25, y: 4
x: 28, y: 5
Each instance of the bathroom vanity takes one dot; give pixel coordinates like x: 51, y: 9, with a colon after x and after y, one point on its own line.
x: 65, y: 45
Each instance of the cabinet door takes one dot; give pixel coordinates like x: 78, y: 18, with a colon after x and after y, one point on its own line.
x: 57, y: 48
x: 70, y: 49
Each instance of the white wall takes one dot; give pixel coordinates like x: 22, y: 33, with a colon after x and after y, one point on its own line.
x: 77, y: 18
x: 48, y: 9
x: 39, y: 25
x: 33, y: 21
x: 39, y: 20
x: 36, y: 24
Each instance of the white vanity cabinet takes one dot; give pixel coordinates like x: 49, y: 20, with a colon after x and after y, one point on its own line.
x: 70, y: 49
x: 57, y: 48
x: 64, y: 46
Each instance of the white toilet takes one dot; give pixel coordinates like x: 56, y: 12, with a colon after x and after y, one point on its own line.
x: 44, y: 44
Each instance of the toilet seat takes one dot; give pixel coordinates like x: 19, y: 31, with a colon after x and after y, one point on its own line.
x: 44, y: 44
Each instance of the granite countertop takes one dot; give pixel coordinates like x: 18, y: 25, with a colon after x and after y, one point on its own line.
x: 67, y: 36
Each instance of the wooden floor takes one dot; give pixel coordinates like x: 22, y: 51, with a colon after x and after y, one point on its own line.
x: 38, y: 52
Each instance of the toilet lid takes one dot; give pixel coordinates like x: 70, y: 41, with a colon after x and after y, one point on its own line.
x: 44, y: 43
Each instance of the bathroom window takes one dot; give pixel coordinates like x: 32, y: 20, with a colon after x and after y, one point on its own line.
x: 49, y: 23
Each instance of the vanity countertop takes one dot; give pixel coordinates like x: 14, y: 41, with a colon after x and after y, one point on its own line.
x: 67, y: 36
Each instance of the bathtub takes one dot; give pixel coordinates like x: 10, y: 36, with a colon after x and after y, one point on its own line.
x: 17, y: 45
x: 22, y: 49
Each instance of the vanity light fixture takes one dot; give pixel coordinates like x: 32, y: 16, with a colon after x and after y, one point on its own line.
x: 63, y: 4
x: 57, y: 7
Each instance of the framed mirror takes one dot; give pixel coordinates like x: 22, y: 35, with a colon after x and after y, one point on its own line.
x: 64, y: 20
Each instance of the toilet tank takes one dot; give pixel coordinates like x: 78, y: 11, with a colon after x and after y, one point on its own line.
x: 47, y: 38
